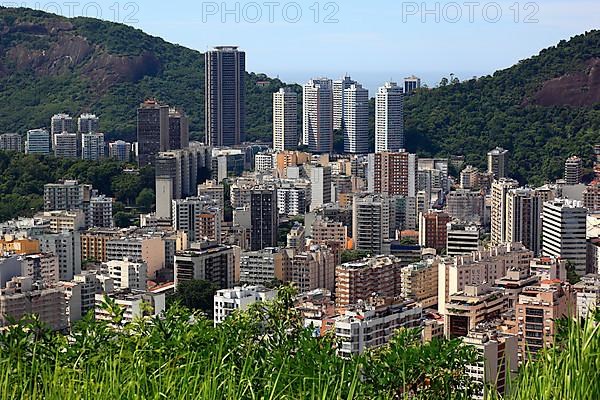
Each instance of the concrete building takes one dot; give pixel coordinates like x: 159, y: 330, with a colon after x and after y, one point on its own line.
x: 573, y: 170
x: 311, y: 269
x: 294, y: 199
x: 152, y: 131
x: 593, y: 256
x: 462, y: 239
x: 537, y: 310
x: 591, y: 197
x: 433, y: 230
x: 66, y: 195
x: 60, y: 123
x: 389, y: 118
x: 564, y: 232
x: 92, y: 146
x: 419, y: 282
x: 22, y: 297
x: 41, y: 268
x: 472, y: 306
x: 100, y: 212
x: 320, y: 179
x: 263, y: 162
x: 372, y: 326
x: 318, y: 115
x: 393, y: 174
x: 88, y: 123
x: 356, y: 120
x: 499, y: 209
x: 179, y: 131
x: 588, y: 295
x: 498, y: 163
x: 213, y: 263
x: 89, y: 284
x: 261, y: 267
x: 93, y: 243
x: 330, y: 233
x: 285, y: 120
x: 358, y: 280
x: 127, y: 274
x: 371, y: 224
x: 499, y: 360
x: 296, y: 239
x: 227, y: 301
x: 339, y: 107
x: 65, y: 145
x: 67, y: 247
x: 199, y: 217
x: 119, y: 150
x: 38, y: 142
x: 135, y: 305
x: 225, y: 96
x: 466, y: 206
x: 150, y: 249
x: 549, y: 268
x: 11, y: 142
x: 411, y: 84
x: 61, y: 221
x: 264, y: 218
x: 515, y: 281
x: 213, y: 191
x: 523, y: 218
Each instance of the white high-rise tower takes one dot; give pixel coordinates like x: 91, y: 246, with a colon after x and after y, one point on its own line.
x: 318, y: 116
x: 285, y: 120
x: 339, y: 113
x: 356, y: 120
x: 389, y: 118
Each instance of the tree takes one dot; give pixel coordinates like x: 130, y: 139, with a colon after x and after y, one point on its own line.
x: 145, y: 200
x: 352, y: 255
x: 195, y: 295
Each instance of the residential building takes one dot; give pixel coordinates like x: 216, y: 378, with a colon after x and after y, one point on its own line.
x: 135, y: 247
x: 498, y: 163
x: 88, y: 123
x: 419, y: 282
x: 339, y: 106
x: 135, y: 305
x: 61, y: 221
x: 152, y: 131
x: 264, y: 218
x: 100, y: 212
x: 320, y: 179
x: 227, y: 301
x: 311, y: 269
x: 358, y: 280
x: 127, y: 274
x: 356, y: 120
x: 11, y: 142
x: 433, y: 230
x: 371, y: 224
x: 60, y: 123
x: 199, y: 217
x: 564, y: 232
x: 119, y: 150
x: 294, y: 199
x: 261, y: 267
x: 92, y: 146
x: 65, y: 145
x: 42, y: 267
x: 330, y: 233
x: 67, y: 247
x: 411, y: 84
x: 588, y: 295
x: 318, y: 115
x: 523, y: 218
x: 213, y: 191
x: 213, y: 263
x: 65, y: 196
x: 296, y: 239
x: 515, y: 281
x: 549, y: 268
x: 393, y: 173
x: 225, y: 96
x: 591, y: 197
x: 499, y: 210
x: 38, y: 142
x: 285, y: 120
x: 179, y: 131
x: 573, y: 170
x: 389, y: 118
x: 263, y: 162
x: 462, y: 239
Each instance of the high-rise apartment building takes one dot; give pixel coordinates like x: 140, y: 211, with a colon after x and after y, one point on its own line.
x: 339, y: 107
x: 573, y: 170
x: 92, y: 146
x: 311, y: 269
x: 100, y: 212
x: 179, y: 129
x: 67, y: 248
x: 500, y: 189
x: 152, y: 131
x: 119, y: 150
x: 320, y: 180
x: 38, y: 142
x: 466, y: 206
x: 523, y: 218
x: 213, y: 263
x: 371, y: 224
x: 389, y: 118
x: 127, y: 274
x: 228, y: 301
x: 60, y: 123
x: 225, y: 96
x: 66, y: 195
x: 433, y: 229
x: 356, y: 119
x: 591, y: 197
x: 498, y: 163
x: 462, y: 239
x: 199, y: 217
x: 318, y: 115
x: 88, y: 123
x: 285, y: 120
x: 419, y: 282
x: 393, y: 174
x: 564, y: 232
x: 261, y: 267
x: 264, y: 218
x: 65, y: 145
x: 11, y: 142
x: 411, y: 84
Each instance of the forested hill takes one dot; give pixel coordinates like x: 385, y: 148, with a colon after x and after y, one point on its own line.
x: 543, y: 110
x: 51, y: 64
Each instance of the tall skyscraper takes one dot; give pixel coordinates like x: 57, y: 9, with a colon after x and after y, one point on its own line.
x: 339, y: 113
x: 225, y: 96
x: 500, y: 191
x: 179, y: 131
x: 264, y: 218
x: 573, y: 170
x: 498, y: 163
x: 523, y: 218
x: 38, y: 142
x: 65, y: 145
x: 92, y: 146
x: 11, y: 142
x: 318, y: 116
x: 152, y: 131
x: 88, y: 123
x: 356, y: 119
x: 285, y: 120
x: 411, y: 84
x: 389, y: 118
x: 564, y: 232
x: 393, y: 174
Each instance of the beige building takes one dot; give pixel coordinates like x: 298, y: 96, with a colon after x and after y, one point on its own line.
x: 311, y: 269
x: 149, y: 249
x: 93, y: 243
x: 60, y: 221
x: 499, y: 210
x: 261, y: 267
x: 326, y: 232
x: 419, y: 282
x: 549, y: 268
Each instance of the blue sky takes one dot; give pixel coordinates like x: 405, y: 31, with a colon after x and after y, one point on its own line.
x: 372, y: 41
